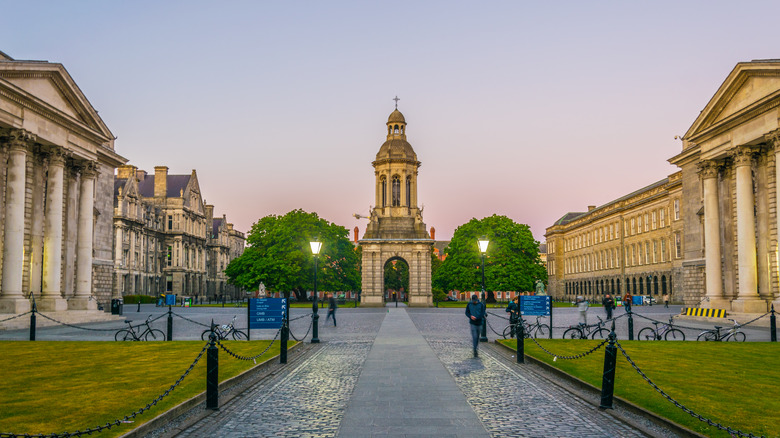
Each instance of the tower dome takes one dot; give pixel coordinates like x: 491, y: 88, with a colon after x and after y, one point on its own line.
x: 396, y: 147
x: 396, y: 116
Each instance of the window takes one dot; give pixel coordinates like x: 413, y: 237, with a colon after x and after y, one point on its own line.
x: 611, y: 231
x: 647, y: 252
x: 663, y: 217
x: 639, y: 224
x: 384, y: 192
x: 676, y: 209
x: 408, y: 191
x: 633, y: 254
x: 663, y: 248
x: 396, y: 196
x: 677, y: 245
x: 169, y: 256
x: 655, y: 250
x: 647, y: 223
x: 655, y: 223
x: 633, y: 226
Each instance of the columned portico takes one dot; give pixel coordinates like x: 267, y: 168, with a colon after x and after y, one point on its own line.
x: 51, y: 298
x: 714, y: 273
x: 11, y: 298
x: 774, y: 142
x: 82, y: 300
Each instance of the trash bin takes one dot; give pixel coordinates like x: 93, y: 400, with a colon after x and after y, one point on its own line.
x: 116, y: 306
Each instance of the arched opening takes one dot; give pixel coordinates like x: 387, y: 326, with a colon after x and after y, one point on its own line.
x: 618, y: 286
x: 384, y: 191
x: 396, y: 280
x: 655, y: 285
x: 395, y: 130
x: 663, y: 284
x: 396, y: 195
x: 408, y: 191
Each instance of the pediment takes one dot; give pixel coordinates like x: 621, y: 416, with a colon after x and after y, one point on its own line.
x: 744, y: 94
x: 47, y: 87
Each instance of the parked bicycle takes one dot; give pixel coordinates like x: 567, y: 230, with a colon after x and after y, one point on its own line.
x: 582, y: 331
x: 537, y: 329
x: 225, y: 330
x: 732, y: 334
x: 666, y: 332
x: 149, y: 334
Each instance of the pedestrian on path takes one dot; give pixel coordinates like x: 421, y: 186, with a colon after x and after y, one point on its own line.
x: 666, y: 300
x: 331, y: 309
x: 609, y: 304
x: 582, y: 306
x: 627, y: 301
x: 513, y: 310
x: 475, y: 311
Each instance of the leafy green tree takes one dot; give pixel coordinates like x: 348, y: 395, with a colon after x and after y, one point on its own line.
x: 279, y: 255
x: 512, y: 261
x: 397, y: 275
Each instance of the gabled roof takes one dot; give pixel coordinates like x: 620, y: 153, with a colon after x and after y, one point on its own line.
x: 176, y: 184
x: 568, y: 217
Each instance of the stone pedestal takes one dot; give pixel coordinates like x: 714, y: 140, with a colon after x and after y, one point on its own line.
x: 52, y: 304
x: 82, y: 303
x: 14, y: 305
x: 717, y: 303
x: 741, y: 305
x: 371, y: 301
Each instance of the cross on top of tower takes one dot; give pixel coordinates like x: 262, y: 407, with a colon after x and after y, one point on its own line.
x: 396, y: 102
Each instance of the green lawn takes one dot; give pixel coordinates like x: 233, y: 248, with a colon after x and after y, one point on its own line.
x: 53, y: 387
x: 735, y: 384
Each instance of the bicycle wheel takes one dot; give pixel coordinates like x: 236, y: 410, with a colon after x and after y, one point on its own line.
x: 238, y: 335
x: 124, y: 335
x: 205, y: 335
x: 646, y: 334
x: 507, y: 332
x: 573, y: 333
x: 155, y: 335
x: 707, y: 336
x: 542, y: 331
x: 674, y: 335
x: 601, y: 333
x: 736, y: 337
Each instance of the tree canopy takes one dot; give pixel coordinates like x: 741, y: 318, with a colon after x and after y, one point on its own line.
x: 512, y: 261
x: 278, y: 255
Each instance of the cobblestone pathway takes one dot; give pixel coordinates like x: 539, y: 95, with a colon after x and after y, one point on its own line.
x: 509, y: 401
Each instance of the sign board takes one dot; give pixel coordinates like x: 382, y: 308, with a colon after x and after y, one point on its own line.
x: 535, y: 305
x: 170, y: 300
x: 266, y: 313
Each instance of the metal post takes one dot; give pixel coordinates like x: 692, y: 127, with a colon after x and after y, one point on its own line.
x: 139, y: 304
x: 32, y: 321
x: 773, y: 325
x: 520, y: 341
x: 551, y: 318
x: 170, y: 324
x: 212, y: 372
x: 315, y: 333
x: 630, y: 325
x: 483, y: 337
x: 285, y: 333
x: 248, y: 318
x: 608, y: 377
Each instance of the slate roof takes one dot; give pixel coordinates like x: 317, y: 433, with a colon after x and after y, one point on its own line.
x: 176, y: 183
x: 215, y: 227
x: 568, y: 217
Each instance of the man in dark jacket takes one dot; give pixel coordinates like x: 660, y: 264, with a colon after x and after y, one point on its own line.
x: 514, y: 311
x: 609, y: 304
x: 331, y: 309
x: 475, y: 311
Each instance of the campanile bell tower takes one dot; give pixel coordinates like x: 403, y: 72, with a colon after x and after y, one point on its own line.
x: 396, y: 230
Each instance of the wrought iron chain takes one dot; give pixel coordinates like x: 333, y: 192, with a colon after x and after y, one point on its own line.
x: 311, y: 323
x: 498, y: 316
x: 239, y: 357
x: 116, y: 422
x: 16, y: 316
x: 98, y: 329
x: 299, y: 317
x: 191, y: 320
x: 576, y: 356
x: 492, y: 329
x: 685, y: 409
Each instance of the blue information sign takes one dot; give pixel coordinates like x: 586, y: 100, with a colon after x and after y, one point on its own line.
x: 535, y: 305
x: 170, y: 300
x: 266, y: 313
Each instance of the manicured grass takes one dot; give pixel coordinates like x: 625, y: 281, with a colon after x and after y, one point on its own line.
x: 53, y: 387
x: 734, y: 384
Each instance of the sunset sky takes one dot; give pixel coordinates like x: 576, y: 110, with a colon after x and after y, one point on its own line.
x: 525, y: 109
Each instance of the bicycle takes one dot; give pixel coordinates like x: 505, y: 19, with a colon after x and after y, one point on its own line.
x: 225, y: 330
x: 536, y: 329
x: 732, y: 334
x: 667, y: 332
x: 582, y: 331
x: 149, y: 334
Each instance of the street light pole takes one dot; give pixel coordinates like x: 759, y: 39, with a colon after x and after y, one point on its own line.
x: 483, y: 244
x: 315, y: 249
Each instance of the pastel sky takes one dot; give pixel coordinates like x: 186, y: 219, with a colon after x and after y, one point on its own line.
x: 525, y: 109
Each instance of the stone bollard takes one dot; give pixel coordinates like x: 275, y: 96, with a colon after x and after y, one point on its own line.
x: 608, y: 377
x: 212, y: 372
x: 520, y: 332
x: 630, y: 326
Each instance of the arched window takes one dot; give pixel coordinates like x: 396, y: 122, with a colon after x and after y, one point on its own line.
x: 396, y: 196
x: 402, y: 129
x: 389, y: 130
x: 408, y: 191
x: 395, y: 130
x: 384, y: 191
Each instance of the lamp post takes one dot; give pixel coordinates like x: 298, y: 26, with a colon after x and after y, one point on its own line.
x: 315, y: 249
x: 483, y: 246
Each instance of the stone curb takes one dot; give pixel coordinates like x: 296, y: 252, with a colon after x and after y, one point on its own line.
x: 162, y: 419
x: 622, y: 403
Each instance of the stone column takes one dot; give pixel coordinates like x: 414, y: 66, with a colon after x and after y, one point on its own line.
x: 747, y: 300
x: 774, y: 141
x: 11, y: 298
x: 71, y: 232
x: 36, y: 227
x: 82, y: 299
x: 712, y: 248
x: 51, y: 299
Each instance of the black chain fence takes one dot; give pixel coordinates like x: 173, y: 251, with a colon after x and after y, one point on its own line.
x: 732, y: 432
x: 311, y: 323
x: 252, y: 358
x: 16, y: 316
x: 117, y: 422
x: 576, y: 356
x: 98, y: 329
x: 190, y: 320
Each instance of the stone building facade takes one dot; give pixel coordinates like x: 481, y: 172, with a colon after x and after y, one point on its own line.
x: 729, y: 165
x: 57, y: 162
x: 224, y: 244
x: 396, y: 230
x: 632, y: 244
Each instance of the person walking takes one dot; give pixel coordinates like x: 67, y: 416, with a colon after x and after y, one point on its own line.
x: 582, y: 306
x: 331, y: 309
x: 666, y: 300
x: 475, y: 311
x: 513, y: 310
x: 609, y: 304
x: 627, y: 301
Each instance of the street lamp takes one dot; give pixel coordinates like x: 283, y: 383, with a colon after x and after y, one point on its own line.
x: 315, y: 249
x: 483, y: 246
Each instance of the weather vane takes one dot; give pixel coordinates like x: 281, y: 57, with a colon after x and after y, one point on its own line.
x: 396, y: 102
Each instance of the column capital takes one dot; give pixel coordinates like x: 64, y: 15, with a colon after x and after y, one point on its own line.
x: 19, y: 139
x: 709, y: 168
x: 743, y: 155
x: 89, y: 170
x: 58, y: 156
x: 773, y: 140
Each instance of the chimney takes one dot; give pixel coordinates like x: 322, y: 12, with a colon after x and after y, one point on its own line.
x: 433, y: 233
x: 356, y: 234
x: 125, y: 171
x: 209, y: 213
x: 160, y: 181
x: 140, y: 174
x: 591, y: 207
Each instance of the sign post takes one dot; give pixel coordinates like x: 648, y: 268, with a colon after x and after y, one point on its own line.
x: 539, y: 305
x: 266, y: 313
